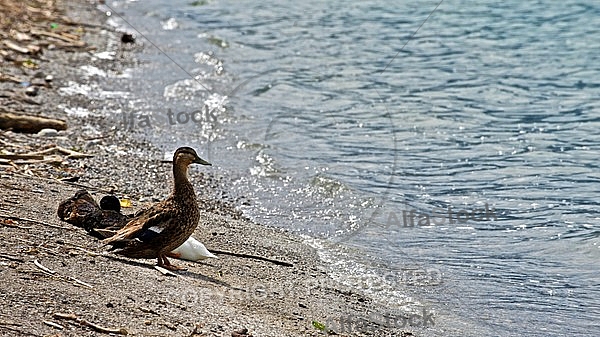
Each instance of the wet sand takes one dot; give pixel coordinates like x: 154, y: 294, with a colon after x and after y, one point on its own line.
x: 51, y: 270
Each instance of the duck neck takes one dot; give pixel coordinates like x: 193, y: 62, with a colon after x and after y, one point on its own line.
x: 182, y: 186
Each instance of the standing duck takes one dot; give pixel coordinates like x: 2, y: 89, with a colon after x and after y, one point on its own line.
x: 156, y: 231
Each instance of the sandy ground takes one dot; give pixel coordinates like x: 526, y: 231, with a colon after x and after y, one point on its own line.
x: 51, y: 271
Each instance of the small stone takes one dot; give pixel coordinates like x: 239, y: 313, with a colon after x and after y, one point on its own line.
x: 31, y: 91
x: 49, y: 78
x: 127, y: 38
x: 47, y: 133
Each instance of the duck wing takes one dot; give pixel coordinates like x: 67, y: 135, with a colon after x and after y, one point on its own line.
x: 146, y: 227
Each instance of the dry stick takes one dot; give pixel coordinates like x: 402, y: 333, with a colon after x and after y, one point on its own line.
x: 54, y: 325
x: 69, y: 153
x: 164, y: 271
x: 7, y: 77
x: 52, y: 272
x: 15, y: 226
x: 29, y: 124
x: 15, y: 47
x: 12, y: 258
x: 52, y: 161
x: 98, y: 328
x: 248, y: 256
x: 39, y: 265
x: 76, y: 43
x: 21, y: 156
x: 10, y: 323
x: 70, y: 22
x: 81, y: 282
x: 12, y: 217
x: 21, y: 332
x: 89, y: 252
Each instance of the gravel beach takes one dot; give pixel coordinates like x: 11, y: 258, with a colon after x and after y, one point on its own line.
x: 58, y: 281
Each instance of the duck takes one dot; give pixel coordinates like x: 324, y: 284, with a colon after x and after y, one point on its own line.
x: 105, y: 225
x: 159, y: 229
x: 78, y: 209
x: 83, y: 211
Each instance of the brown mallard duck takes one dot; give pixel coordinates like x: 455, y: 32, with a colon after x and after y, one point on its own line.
x: 156, y: 231
x: 78, y: 209
x: 82, y: 211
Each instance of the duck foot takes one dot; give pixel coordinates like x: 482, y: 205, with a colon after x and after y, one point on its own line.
x: 163, y: 262
x: 173, y: 255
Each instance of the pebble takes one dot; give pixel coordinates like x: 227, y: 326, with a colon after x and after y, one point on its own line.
x: 127, y: 38
x: 31, y: 91
x: 47, y: 133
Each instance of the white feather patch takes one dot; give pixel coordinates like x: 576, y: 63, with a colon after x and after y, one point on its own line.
x: 155, y: 229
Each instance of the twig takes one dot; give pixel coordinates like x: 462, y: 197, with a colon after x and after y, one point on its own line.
x: 20, y: 156
x: 70, y: 22
x: 148, y: 311
x: 15, y: 226
x: 7, y: 77
x: 95, y: 327
x: 75, y: 43
x: 60, y: 315
x: 39, y: 265
x: 15, y: 47
x: 52, y: 161
x: 69, y: 153
x: 164, y: 271
x: 12, y: 258
x: 81, y: 282
x: 98, y: 328
x: 248, y: 256
x: 12, y: 217
x: 21, y: 332
x: 54, y: 325
x: 10, y: 323
x: 89, y: 252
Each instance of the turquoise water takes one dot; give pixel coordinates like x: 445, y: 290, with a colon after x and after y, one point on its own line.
x: 317, y: 127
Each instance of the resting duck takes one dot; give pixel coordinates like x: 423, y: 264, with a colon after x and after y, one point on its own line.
x: 82, y: 211
x: 156, y: 231
x: 79, y: 209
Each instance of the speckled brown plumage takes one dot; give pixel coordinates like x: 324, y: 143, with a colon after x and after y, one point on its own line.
x: 156, y: 231
x: 81, y: 210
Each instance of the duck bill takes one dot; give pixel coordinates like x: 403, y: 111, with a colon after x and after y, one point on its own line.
x: 201, y: 161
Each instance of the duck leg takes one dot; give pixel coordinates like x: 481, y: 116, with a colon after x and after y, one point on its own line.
x: 163, y: 262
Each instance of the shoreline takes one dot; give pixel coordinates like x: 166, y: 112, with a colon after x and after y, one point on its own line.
x: 213, y: 298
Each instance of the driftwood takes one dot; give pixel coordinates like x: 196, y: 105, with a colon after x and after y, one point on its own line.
x: 29, y: 124
x: 69, y: 38
x: 12, y: 217
x: 15, y: 47
x: 95, y: 327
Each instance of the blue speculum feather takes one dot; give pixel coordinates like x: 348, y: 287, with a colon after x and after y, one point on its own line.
x: 148, y: 235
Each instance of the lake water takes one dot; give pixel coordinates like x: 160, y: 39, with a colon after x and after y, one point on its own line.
x: 482, y: 132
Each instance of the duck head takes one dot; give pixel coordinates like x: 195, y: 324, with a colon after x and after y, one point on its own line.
x: 110, y: 202
x: 185, y: 156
